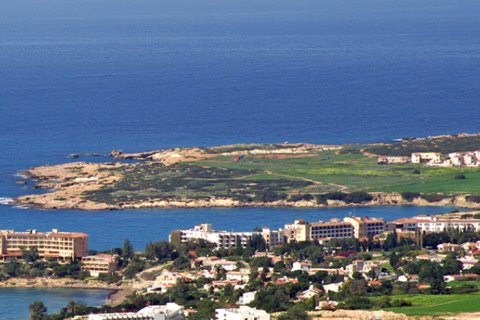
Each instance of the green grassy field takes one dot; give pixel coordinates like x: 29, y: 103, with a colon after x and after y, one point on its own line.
x: 256, y: 178
x: 432, y: 305
x: 356, y: 172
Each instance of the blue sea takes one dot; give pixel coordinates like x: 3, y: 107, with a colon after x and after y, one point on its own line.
x: 97, y: 75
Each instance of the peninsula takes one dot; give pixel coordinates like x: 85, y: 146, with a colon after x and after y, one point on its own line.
x: 272, y: 175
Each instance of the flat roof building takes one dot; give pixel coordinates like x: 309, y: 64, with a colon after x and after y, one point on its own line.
x: 223, y: 239
x: 331, y: 229
x: 99, y: 263
x: 366, y: 227
x: 241, y: 313
x: 50, y: 245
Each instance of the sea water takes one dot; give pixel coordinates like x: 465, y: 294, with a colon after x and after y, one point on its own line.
x: 92, y: 76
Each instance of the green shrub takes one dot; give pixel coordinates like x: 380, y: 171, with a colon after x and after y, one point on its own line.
x: 410, y: 196
x: 433, y: 197
x: 473, y: 199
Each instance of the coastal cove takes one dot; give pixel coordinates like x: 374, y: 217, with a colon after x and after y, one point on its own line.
x: 14, y: 302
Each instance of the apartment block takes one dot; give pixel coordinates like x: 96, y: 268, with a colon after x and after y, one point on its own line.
x: 223, y: 239
x: 50, y: 245
x: 366, y: 227
x: 332, y: 229
x: 297, y: 231
x: 100, y: 263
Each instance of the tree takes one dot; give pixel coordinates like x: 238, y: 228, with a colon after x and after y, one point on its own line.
x: 394, y: 260
x: 127, y: 251
x: 390, y: 242
x: 160, y: 250
x: 451, y: 266
x: 30, y: 254
x: 38, y: 311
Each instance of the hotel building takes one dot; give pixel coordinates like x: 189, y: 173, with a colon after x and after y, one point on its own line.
x: 332, y: 229
x: 366, y: 227
x: 50, y: 245
x: 223, y: 239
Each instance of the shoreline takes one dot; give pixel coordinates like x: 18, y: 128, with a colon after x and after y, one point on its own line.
x: 116, y: 295
x: 220, y: 177
x: 379, y: 199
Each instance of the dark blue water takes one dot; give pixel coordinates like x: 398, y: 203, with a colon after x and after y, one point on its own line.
x: 92, y: 76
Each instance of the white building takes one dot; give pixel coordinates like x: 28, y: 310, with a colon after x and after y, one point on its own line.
x: 242, y: 313
x: 247, y: 297
x: 170, y: 311
x: 223, y: 239
x: 333, y: 287
x: 434, y: 224
x: 426, y: 157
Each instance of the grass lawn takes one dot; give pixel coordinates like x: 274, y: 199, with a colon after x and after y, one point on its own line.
x: 430, y: 305
x: 256, y: 178
x: 356, y: 172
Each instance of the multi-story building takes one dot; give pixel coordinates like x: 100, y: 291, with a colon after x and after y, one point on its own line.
x: 366, y: 227
x: 426, y: 157
x: 100, y: 263
x: 272, y: 237
x: 435, y: 224
x: 223, y: 239
x: 332, y: 229
x: 297, y: 231
x: 241, y: 313
x: 170, y: 311
x: 403, y: 224
x: 50, y: 245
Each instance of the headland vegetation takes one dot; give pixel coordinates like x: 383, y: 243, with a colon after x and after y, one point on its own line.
x: 263, y: 175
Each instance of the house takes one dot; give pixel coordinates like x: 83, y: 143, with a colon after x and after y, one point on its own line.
x: 456, y: 158
x: 301, y: 266
x: 333, y: 287
x: 364, y: 267
x: 407, y: 278
x: 430, y: 257
x: 449, y: 247
x: 247, y: 297
x: 426, y: 157
x: 242, y: 275
x: 468, y: 262
x: 327, y: 305
x: 309, y: 293
x: 393, y: 160
x: 470, y: 160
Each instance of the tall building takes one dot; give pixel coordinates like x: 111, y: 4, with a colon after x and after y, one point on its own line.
x: 242, y: 313
x: 331, y: 229
x: 53, y: 244
x: 297, y: 231
x: 366, y: 227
